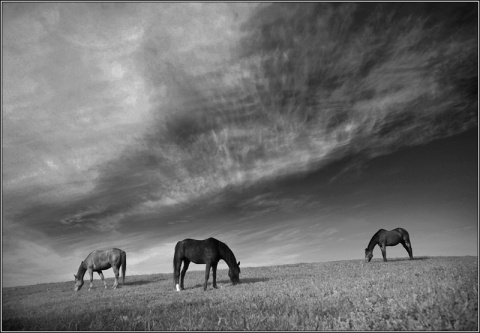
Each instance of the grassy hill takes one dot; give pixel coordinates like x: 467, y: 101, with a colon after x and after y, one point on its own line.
x: 429, y: 293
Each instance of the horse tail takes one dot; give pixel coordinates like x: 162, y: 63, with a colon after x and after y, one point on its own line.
x: 124, y: 265
x: 175, y: 273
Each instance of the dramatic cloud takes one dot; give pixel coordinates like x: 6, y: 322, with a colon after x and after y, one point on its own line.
x: 137, y: 125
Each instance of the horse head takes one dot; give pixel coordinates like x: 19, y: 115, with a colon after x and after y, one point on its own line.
x: 233, y: 273
x: 78, y: 283
x: 368, y: 255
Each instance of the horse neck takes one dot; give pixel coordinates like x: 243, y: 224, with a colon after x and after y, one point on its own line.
x: 373, y: 242
x: 228, y: 256
x: 81, y: 271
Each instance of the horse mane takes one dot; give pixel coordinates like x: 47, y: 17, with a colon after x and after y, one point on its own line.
x: 374, y: 240
x: 81, y: 270
x: 227, y: 254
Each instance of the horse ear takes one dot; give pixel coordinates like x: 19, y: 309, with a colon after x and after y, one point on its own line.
x: 238, y: 263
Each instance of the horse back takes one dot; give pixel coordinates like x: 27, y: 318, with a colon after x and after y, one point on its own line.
x: 197, y: 251
x: 104, y: 259
x: 393, y: 237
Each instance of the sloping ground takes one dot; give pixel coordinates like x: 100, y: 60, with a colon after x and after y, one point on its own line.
x: 429, y: 293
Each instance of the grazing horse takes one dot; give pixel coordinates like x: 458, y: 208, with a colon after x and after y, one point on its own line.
x: 98, y: 261
x: 386, y: 238
x: 209, y: 251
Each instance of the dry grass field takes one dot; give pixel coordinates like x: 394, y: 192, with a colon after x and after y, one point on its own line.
x: 429, y: 293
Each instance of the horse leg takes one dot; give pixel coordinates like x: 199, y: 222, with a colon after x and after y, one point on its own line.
x: 186, y: 263
x: 384, y: 252
x: 115, y: 270
x: 207, y: 275
x: 103, y: 279
x: 408, y: 247
x: 214, y: 273
x: 90, y: 271
x: 176, y: 272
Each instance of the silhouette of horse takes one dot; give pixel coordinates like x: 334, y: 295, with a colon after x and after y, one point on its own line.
x: 209, y: 251
x: 98, y: 261
x: 386, y: 238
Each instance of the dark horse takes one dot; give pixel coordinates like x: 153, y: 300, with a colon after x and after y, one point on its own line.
x: 98, y: 261
x: 386, y: 238
x: 209, y: 251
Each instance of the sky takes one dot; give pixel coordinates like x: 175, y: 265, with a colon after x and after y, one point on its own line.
x: 99, y: 103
